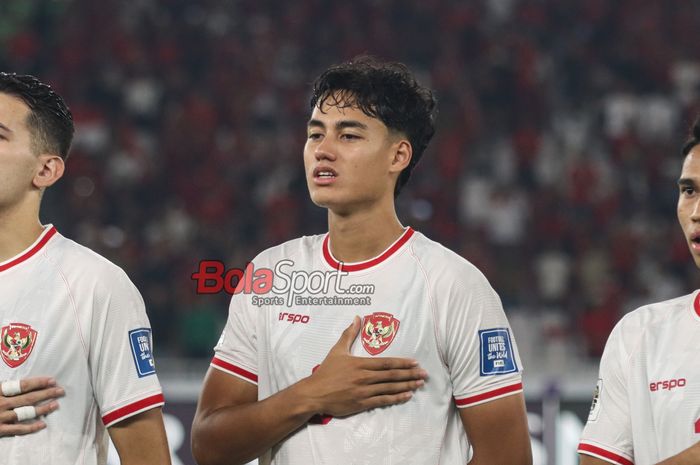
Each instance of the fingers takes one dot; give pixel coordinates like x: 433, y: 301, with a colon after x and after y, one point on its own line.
x: 34, y: 384
x: 10, y: 415
x: 32, y: 398
x: 386, y: 400
x: 387, y: 363
x: 385, y: 376
x: 20, y: 429
x: 348, y: 337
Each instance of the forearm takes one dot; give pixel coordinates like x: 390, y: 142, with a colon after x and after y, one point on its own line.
x: 239, y: 434
x: 690, y: 456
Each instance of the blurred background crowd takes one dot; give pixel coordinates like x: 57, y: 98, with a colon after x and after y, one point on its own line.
x: 553, y: 168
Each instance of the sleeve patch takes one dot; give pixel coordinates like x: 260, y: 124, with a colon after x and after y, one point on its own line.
x: 141, y: 350
x: 595, y: 405
x: 496, y: 352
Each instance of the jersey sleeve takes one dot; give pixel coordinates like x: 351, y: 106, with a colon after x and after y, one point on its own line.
x: 121, y: 361
x: 236, y: 351
x: 480, y: 350
x: 608, y: 431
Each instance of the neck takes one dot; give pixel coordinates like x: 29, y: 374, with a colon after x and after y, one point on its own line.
x: 363, y: 235
x: 19, y: 228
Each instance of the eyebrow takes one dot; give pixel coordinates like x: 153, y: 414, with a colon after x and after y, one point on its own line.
x: 343, y: 124
x: 685, y: 182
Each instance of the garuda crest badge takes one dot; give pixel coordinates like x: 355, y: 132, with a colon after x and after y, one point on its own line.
x: 16, y: 343
x: 378, y: 331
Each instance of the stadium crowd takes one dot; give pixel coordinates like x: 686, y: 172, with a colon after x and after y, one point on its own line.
x: 553, y: 168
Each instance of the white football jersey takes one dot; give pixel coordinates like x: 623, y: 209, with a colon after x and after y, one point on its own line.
x: 69, y: 313
x: 417, y: 300
x: 646, y: 407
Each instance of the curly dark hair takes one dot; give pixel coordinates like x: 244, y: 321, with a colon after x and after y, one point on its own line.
x: 50, y: 121
x: 387, y: 91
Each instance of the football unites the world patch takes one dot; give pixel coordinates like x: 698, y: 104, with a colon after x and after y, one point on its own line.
x: 141, y: 349
x: 496, y: 352
x: 378, y: 331
x: 16, y: 343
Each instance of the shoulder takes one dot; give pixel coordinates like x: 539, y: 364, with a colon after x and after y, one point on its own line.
x: 81, y: 266
x: 656, y: 314
x: 442, y: 266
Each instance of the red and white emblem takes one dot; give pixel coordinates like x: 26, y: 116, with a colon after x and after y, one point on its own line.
x: 378, y: 331
x: 16, y: 343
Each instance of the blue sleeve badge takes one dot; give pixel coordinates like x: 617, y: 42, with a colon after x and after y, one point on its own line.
x: 141, y: 350
x: 496, y: 352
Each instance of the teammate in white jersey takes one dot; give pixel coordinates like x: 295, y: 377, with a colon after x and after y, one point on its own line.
x: 429, y: 367
x: 71, y: 322
x: 646, y: 408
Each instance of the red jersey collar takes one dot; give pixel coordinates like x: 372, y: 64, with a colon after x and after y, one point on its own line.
x: 393, y: 248
x: 41, y: 241
x: 696, y: 304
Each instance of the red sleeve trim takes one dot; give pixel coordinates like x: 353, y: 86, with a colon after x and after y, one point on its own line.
x: 38, y: 245
x: 600, y: 453
x: 234, y: 370
x: 479, y: 398
x: 133, y: 409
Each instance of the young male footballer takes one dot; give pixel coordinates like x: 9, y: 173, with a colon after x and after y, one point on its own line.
x: 646, y: 409
x: 75, y: 341
x: 373, y: 344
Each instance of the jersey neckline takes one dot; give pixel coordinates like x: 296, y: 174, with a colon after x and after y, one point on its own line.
x: 48, y: 232
x: 359, y: 266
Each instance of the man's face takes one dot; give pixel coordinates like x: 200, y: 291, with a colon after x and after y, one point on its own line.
x: 689, y: 202
x: 18, y: 163
x: 348, y: 159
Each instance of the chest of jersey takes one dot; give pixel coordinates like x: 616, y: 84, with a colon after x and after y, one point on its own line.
x: 665, y: 402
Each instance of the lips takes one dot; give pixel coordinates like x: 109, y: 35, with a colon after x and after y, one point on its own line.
x: 324, y: 175
x: 694, y: 240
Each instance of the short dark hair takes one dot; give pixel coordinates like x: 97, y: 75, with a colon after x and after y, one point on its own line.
x: 387, y: 91
x: 50, y: 120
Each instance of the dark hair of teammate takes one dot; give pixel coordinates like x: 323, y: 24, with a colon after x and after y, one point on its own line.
x: 50, y: 121
x: 386, y: 91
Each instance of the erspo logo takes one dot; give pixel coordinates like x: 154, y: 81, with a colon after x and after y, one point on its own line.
x: 667, y: 385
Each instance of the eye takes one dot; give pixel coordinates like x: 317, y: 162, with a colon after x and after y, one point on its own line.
x: 350, y: 136
x: 687, y: 190
x: 315, y: 136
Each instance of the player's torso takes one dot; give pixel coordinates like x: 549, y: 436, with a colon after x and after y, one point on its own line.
x: 393, y: 302
x: 665, y: 402
x: 42, y: 330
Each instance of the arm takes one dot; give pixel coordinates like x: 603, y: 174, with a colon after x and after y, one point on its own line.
x: 690, y: 456
x: 498, y: 432
x: 39, y: 392
x: 232, y: 427
x: 141, y: 440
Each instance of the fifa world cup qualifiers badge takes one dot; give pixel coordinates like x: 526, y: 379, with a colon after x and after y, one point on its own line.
x: 141, y: 350
x: 496, y: 352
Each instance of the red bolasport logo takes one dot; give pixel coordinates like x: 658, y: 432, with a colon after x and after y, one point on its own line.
x: 378, y: 332
x: 281, y: 285
x: 16, y: 343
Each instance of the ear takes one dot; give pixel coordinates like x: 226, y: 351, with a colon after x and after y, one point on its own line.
x: 401, y: 156
x: 50, y: 170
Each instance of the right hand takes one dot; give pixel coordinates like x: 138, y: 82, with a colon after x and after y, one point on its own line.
x: 344, y: 384
x: 39, y: 392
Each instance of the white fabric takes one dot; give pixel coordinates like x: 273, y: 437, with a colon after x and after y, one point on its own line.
x: 441, y: 301
x: 11, y: 388
x: 648, y: 408
x: 82, y: 309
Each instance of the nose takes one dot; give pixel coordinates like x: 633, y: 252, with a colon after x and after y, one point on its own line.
x: 325, y: 150
x: 695, y: 214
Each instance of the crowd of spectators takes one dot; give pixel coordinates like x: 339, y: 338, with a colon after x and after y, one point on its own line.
x: 553, y: 168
